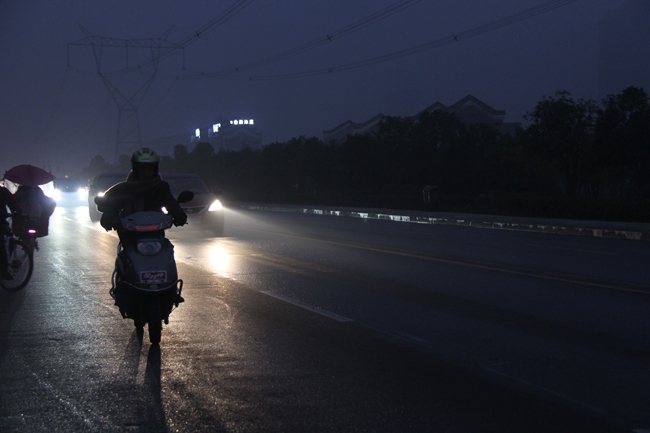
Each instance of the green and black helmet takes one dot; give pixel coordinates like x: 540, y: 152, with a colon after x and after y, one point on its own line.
x: 145, y: 156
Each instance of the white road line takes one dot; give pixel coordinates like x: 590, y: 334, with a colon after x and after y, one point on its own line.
x: 574, y: 249
x: 317, y: 310
x: 547, y: 390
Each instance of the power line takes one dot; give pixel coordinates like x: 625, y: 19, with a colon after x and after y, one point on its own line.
x: 205, y: 29
x: 166, y: 47
x: 467, y: 34
x: 323, y: 40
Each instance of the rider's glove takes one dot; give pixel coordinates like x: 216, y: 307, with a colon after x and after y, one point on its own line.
x: 180, y: 219
x: 106, y: 223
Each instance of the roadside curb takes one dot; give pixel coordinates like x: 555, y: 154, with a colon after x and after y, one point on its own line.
x: 600, y: 229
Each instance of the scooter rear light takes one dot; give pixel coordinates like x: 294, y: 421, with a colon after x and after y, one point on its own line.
x: 148, y: 228
x: 149, y: 248
x: 31, y: 231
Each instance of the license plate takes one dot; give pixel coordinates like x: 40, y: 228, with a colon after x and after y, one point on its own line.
x: 151, y: 277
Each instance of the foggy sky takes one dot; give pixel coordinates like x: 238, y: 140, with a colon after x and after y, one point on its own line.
x: 56, y: 111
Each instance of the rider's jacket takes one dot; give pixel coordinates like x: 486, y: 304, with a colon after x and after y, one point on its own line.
x: 33, y: 202
x: 125, y: 198
x: 37, y: 208
x: 7, y: 199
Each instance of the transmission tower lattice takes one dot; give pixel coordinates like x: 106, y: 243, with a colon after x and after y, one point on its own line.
x: 128, y: 128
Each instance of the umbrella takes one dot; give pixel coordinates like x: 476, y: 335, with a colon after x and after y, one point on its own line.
x: 28, y: 175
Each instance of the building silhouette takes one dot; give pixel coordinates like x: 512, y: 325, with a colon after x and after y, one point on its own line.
x: 233, y: 135
x: 470, y: 110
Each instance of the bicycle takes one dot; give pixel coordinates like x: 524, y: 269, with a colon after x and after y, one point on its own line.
x: 20, y: 259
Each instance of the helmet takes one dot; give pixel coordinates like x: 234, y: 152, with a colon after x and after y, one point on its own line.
x: 145, y: 156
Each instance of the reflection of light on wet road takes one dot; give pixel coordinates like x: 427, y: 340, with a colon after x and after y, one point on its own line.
x: 69, y: 222
x: 77, y: 214
x: 208, y: 254
x: 219, y: 260
x: 237, y: 256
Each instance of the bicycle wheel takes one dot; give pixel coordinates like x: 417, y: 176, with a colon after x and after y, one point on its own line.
x: 21, y: 266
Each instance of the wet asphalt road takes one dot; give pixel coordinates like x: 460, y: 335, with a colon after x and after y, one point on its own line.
x: 308, y: 323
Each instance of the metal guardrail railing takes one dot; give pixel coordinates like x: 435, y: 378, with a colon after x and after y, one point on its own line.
x: 601, y: 229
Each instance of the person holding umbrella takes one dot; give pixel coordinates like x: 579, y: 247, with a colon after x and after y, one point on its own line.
x: 34, y: 203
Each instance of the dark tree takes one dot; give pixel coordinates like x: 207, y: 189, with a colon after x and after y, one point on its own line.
x: 441, y: 149
x: 562, y: 135
x: 623, y: 135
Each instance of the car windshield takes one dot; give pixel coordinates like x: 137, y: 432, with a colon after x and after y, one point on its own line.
x: 194, y: 184
x: 68, y: 184
x: 105, y: 182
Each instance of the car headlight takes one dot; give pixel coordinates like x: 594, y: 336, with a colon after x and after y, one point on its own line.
x: 56, y: 194
x: 216, y: 205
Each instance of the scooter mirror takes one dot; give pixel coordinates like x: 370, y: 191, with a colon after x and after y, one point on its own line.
x: 185, y: 196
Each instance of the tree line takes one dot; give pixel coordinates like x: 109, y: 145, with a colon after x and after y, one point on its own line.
x: 576, y: 158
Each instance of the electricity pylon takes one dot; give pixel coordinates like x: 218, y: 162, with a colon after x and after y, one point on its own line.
x: 128, y: 127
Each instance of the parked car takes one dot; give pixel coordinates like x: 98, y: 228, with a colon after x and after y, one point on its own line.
x: 204, y: 212
x: 69, y: 191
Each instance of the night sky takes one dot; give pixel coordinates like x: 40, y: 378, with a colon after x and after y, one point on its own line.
x: 58, y: 113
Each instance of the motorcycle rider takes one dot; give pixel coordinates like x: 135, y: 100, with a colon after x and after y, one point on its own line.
x: 143, y: 190
x: 6, y: 200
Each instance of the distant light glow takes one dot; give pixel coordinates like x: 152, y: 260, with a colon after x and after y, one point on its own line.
x: 197, y: 133
x: 215, y: 127
x: 241, y: 122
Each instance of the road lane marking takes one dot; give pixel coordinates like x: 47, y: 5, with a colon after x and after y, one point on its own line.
x: 631, y: 287
x: 311, y: 308
x: 526, y: 273
x: 546, y: 390
x: 575, y: 249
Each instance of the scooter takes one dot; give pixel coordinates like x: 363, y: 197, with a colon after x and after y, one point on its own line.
x: 145, y: 283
